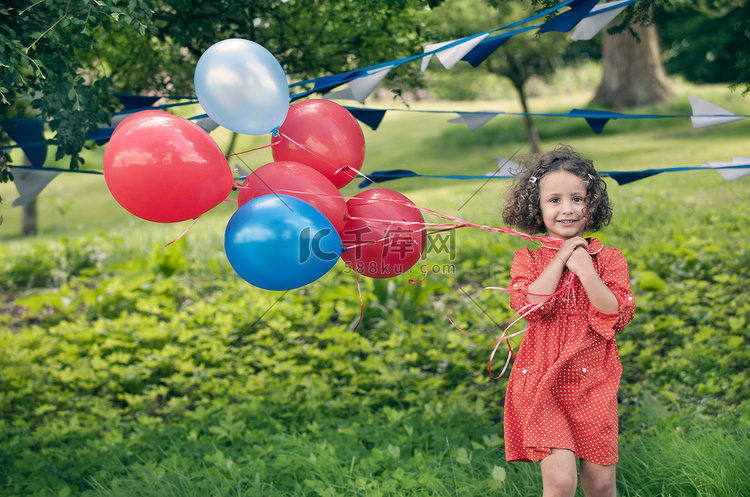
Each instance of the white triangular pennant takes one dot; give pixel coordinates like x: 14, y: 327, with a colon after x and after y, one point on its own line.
x: 430, y: 48
x: 731, y: 174
x: 363, y: 87
x: 207, y: 124
x: 118, y: 118
x: 450, y: 56
x: 345, y: 94
x: 593, y: 23
x: 473, y: 120
x: 241, y: 171
x: 703, y: 108
x: 360, y: 88
x: 506, y: 167
x: 30, y: 183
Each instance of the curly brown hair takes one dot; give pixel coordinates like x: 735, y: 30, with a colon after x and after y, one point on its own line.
x: 522, y: 208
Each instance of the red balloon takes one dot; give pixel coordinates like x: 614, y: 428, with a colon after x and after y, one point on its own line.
x: 384, y: 235
x: 135, y: 116
x: 323, y: 135
x: 300, y: 181
x: 164, y: 168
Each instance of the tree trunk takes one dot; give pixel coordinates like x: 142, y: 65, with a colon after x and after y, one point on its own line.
x: 531, y: 131
x: 633, y: 72
x: 29, y: 217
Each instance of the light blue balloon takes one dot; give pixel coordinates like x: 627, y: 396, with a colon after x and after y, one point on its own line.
x: 279, y: 242
x: 242, y: 87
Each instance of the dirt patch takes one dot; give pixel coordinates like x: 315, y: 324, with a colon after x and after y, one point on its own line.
x: 12, y: 314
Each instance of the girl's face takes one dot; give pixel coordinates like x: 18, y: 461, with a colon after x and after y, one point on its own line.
x: 562, y: 196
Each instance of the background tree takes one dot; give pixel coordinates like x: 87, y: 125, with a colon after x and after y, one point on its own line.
x: 522, y: 57
x: 632, y: 69
x: 44, y: 50
x: 43, y: 47
x: 629, y: 69
x: 707, y: 43
x: 332, y: 37
x: 633, y: 73
x: 66, y: 58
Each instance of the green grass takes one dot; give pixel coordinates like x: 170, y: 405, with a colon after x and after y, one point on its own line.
x: 698, y: 462
x: 427, y: 144
x: 129, y: 368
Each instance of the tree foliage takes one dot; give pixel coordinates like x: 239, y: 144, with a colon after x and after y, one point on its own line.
x: 704, y: 48
x: 522, y: 57
x: 309, y: 41
x: 66, y: 58
x: 725, y: 26
x: 45, y: 60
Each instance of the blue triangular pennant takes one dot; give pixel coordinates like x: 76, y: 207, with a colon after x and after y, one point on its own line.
x: 370, y: 117
x: 478, y: 54
x: 568, y: 19
x: 136, y: 101
x: 380, y: 176
x: 29, y: 135
x: 595, y: 118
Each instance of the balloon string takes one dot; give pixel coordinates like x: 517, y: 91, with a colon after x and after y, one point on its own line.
x: 460, y: 223
x: 311, y: 152
x: 363, y: 175
x: 251, y: 150
x: 361, y: 303
x: 424, y: 226
x: 329, y: 163
x: 424, y: 268
x: 566, y: 287
x: 184, y: 232
x: 421, y: 226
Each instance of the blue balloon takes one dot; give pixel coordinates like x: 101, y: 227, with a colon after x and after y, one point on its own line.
x: 242, y: 87
x: 279, y: 242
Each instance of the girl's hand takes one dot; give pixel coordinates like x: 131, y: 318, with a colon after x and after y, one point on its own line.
x: 579, y: 261
x: 568, y: 247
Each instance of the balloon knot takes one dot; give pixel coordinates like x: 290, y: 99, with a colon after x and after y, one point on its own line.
x: 344, y: 249
x: 275, y: 132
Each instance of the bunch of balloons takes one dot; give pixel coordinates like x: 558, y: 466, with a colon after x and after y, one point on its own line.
x: 292, y: 224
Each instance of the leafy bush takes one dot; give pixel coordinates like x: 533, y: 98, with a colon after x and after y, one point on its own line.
x: 148, y: 375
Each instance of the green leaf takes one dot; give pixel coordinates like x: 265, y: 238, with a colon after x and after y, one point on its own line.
x: 498, y: 473
x: 652, y: 407
x: 492, y: 441
x: 394, y: 451
x: 463, y: 456
x: 649, y: 280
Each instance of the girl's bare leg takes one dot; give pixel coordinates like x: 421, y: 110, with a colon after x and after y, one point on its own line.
x: 559, y: 474
x: 598, y: 480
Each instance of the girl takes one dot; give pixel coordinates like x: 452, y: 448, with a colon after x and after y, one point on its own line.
x: 561, y: 401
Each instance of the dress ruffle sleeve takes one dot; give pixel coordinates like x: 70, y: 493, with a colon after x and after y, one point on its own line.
x: 616, y: 276
x: 524, y: 272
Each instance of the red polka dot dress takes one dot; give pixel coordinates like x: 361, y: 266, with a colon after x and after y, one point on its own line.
x: 562, y: 390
